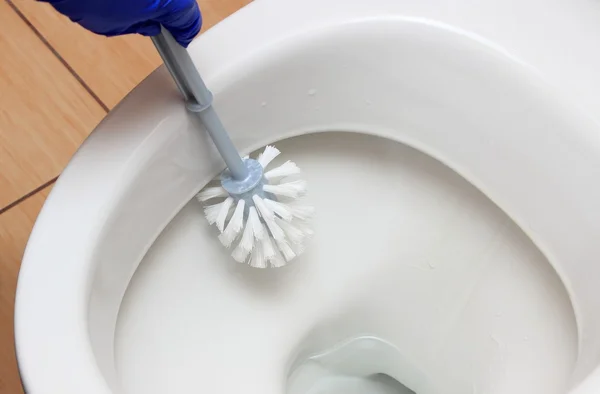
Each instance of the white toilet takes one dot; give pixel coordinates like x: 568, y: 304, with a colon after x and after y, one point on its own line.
x: 453, y: 155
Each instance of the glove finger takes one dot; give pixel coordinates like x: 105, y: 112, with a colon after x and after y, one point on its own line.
x: 184, y: 23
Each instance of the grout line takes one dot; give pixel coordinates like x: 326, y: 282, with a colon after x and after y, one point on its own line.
x: 26, y: 196
x: 58, y: 56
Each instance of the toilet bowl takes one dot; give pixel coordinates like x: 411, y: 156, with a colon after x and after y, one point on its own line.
x: 453, y: 156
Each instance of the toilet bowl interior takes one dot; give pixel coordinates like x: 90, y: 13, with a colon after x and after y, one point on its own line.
x: 439, y: 271
x: 428, y: 264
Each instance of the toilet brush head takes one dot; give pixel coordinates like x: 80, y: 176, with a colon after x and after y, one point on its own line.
x: 260, y: 217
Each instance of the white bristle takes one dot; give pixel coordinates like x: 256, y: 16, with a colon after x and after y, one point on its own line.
x: 299, y: 249
x: 286, y: 250
x: 210, y: 193
x: 258, y: 258
x: 223, y: 213
x: 264, y: 211
x: 254, y: 221
x: 277, y: 261
x: 276, y: 232
x: 268, y: 249
x: 292, y: 232
x: 306, y: 230
x: 268, y: 216
x: 286, y: 169
x: 234, y: 226
x: 240, y: 253
x: 268, y: 155
x: 247, y: 241
x: 282, y: 210
x: 212, y: 212
x: 301, y: 212
x: 290, y: 189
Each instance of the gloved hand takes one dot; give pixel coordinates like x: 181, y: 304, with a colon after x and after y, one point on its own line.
x: 118, y: 17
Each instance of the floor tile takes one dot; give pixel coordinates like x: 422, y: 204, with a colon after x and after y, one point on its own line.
x: 45, y: 113
x: 15, y: 226
x: 214, y: 11
x: 110, y: 66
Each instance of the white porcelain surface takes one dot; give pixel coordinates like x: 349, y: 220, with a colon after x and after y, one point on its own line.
x: 504, y: 93
x: 464, y: 296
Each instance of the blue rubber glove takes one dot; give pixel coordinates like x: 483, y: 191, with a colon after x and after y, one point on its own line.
x: 118, y: 17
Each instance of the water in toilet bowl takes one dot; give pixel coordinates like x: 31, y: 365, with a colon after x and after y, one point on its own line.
x: 430, y: 266
x: 359, y: 365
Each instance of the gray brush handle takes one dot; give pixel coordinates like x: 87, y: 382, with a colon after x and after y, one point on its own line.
x: 198, y: 99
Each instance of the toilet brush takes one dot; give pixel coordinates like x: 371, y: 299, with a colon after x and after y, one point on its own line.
x: 252, y: 208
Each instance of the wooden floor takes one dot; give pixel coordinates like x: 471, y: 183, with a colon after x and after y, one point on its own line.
x: 57, y: 82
